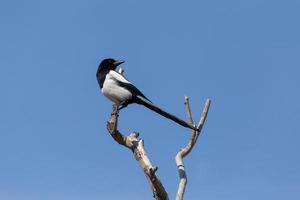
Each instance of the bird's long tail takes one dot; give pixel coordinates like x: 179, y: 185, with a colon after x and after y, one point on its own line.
x: 143, y: 101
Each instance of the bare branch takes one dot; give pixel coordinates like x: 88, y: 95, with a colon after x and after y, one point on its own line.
x: 136, y: 145
x: 187, y: 149
x: 188, y: 109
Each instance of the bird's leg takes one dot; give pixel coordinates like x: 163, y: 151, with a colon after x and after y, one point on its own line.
x: 115, y: 109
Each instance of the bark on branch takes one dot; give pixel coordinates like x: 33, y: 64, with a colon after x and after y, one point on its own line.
x: 188, y: 148
x: 136, y: 145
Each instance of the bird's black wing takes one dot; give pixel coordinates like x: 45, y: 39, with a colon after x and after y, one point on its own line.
x: 130, y: 87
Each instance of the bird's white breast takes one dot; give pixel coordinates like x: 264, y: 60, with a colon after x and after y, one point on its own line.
x: 113, y: 91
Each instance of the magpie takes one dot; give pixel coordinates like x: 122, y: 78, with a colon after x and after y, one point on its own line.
x: 122, y: 92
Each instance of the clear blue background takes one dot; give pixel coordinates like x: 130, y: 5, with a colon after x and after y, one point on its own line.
x: 244, y: 55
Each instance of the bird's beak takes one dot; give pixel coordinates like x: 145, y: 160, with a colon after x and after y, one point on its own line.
x: 118, y: 62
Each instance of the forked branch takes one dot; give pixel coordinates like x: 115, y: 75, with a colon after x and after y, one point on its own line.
x: 136, y: 145
x: 187, y: 149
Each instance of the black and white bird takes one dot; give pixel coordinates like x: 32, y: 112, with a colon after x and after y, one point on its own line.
x: 122, y: 92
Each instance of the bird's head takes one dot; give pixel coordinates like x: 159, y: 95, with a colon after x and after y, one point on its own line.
x: 109, y: 64
x: 104, y: 67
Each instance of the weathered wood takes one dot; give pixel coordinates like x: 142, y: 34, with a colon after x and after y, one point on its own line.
x: 187, y: 149
x: 136, y: 145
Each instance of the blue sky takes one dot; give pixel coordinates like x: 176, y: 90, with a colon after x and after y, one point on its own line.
x: 244, y: 55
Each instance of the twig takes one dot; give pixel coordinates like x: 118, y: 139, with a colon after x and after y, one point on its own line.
x: 187, y: 149
x: 188, y: 109
x: 136, y: 145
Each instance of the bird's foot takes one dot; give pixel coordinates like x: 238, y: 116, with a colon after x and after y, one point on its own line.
x: 115, y: 109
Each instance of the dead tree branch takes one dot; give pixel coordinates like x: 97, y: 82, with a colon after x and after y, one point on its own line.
x: 136, y: 145
x: 187, y: 149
